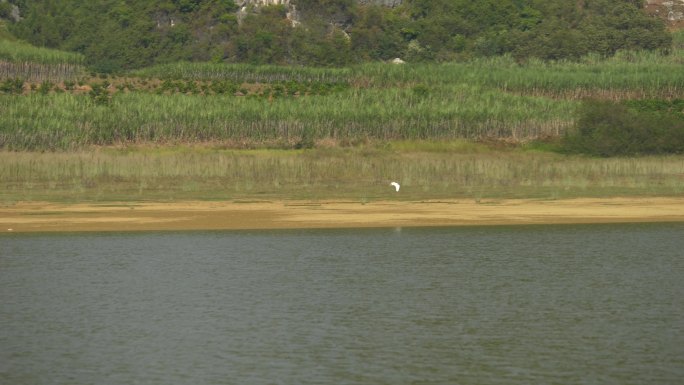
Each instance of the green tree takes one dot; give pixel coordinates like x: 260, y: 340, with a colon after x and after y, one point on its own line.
x: 262, y: 38
x: 606, y: 128
x: 117, y: 35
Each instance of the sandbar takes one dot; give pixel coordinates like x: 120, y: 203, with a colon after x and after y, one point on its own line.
x: 243, y: 215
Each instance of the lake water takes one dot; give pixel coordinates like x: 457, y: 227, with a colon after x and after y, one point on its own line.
x: 592, y: 304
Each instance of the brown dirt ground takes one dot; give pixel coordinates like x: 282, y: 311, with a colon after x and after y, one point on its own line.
x: 203, y: 215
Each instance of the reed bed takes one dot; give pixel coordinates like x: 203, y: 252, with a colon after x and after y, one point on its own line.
x: 39, y: 72
x: 360, y: 174
x: 67, y: 121
x: 635, y: 74
x: 244, y: 73
x: 20, y: 60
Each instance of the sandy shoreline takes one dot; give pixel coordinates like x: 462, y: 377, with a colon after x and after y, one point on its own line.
x: 207, y: 215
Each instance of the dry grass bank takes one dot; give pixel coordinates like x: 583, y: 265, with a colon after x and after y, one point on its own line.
x: 426, y: 170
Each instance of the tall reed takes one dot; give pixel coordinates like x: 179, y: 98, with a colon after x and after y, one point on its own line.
x: 35, y: 64
x: 38, y: 72
x: 484, y: 98
x: 356, y: 174
x: 639, y: 74
x: 67, y: 121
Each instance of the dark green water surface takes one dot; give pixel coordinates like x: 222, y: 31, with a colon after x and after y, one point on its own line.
x: 592, y: 304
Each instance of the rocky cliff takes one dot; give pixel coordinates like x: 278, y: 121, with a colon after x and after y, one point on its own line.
x: 672, y: 11
x: 242, y: 3
x: 386, y: 3
x: 292, y: 11
x: 9, y: 11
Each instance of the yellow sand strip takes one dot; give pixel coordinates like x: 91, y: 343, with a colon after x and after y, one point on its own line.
x: 202, y: 215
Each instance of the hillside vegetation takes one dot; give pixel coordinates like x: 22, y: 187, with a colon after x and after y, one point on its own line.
x: 450, y: 123
x: 589, y: 102
x: 118, y: 35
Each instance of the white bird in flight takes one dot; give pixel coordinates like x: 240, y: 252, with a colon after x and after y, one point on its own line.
x: 396, y: 185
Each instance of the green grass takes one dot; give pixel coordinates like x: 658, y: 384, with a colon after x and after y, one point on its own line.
x: 356, y: 174
x: 18, y: 51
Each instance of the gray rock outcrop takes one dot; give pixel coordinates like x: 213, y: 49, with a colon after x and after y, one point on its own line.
x: 386, y: 3
x: 672, y: 11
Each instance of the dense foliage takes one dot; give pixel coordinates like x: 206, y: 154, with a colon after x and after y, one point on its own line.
x: 122, y: 34
x: 636, y: 127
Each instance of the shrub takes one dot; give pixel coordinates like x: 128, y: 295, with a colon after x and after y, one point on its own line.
x: 307, y: 139
x: 5, y: 10
x: 12, y: 86
x: 45, y: 87
x: 99, y: 93
x: 607, y: 128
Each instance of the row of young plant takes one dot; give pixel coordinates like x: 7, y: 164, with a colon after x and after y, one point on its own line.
x: 228, y: 87
x: 18, y: 86
x: 244, y: 73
